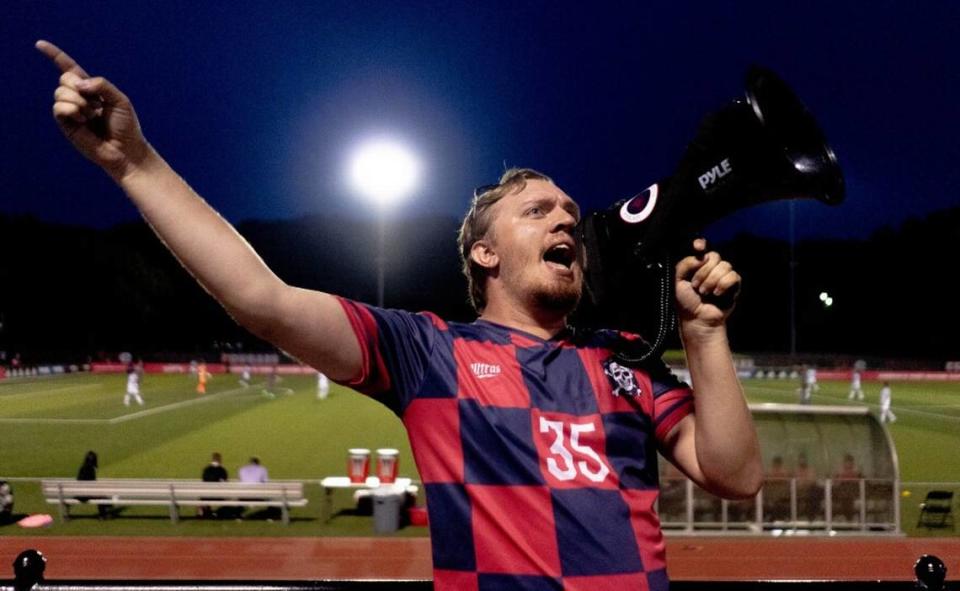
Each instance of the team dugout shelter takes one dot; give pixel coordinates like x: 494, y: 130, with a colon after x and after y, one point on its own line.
x: 829, y: 470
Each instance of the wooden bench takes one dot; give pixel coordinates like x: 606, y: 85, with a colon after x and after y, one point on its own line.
x: 173, y: 494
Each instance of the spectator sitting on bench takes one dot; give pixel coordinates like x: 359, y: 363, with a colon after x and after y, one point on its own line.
x: 88, y: 471
x: 809, y: 491
x: 255, y: 472
x: 6, y: 503
x: 776, y: 491
x: 846, y: 489
x: 213, y: 472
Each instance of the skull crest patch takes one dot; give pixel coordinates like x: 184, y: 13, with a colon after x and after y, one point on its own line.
x: 621, y: 379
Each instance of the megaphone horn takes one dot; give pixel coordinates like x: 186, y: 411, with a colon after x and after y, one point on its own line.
x: 763, y: 147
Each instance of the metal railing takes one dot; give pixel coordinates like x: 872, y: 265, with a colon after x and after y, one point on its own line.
x: 29, y: 567
x: 818, y: 585
x: 782, y: 505
x: 856, y: 506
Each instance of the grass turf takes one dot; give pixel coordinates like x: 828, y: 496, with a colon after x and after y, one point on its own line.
x: 47, y: 424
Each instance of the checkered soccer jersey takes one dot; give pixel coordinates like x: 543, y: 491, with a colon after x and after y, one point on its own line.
x: 538, y: 457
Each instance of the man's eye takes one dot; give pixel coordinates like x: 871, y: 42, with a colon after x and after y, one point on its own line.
x: 534, y: 211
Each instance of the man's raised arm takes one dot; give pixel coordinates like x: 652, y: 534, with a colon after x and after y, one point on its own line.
x: 717, y: 446
x: 101, y: 123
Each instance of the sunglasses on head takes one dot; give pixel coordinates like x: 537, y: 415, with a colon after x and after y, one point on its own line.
x: 484, y: 189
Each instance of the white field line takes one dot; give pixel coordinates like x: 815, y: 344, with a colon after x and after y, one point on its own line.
x: 48, y: 391
x: 896, y: 408
x: 42, y: 421
x: 132, y: 416
x: 956, y: 405
x: 200, y: 399
x: 10, y: 382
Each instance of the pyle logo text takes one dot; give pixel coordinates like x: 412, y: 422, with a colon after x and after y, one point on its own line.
x: 716, y: 173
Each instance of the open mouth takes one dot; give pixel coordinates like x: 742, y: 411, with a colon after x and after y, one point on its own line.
x: 561, y: 254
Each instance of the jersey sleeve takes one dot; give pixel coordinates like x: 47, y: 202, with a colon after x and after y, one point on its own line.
x: 395, y: 346
x: 672, y: 399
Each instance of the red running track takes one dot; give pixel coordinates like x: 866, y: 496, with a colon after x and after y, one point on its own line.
x: 691, y: 559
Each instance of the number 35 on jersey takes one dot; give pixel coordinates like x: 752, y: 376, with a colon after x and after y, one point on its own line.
x: 571, y: 450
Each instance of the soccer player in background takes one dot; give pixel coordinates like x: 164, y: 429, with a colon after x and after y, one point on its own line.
x: 886, y: 397
x: 270, y: 388
x: 809, y: 385
x: 202, y: 377
x: 536, y: 448
x: 134, y: 372
x: 323, y: 386
x: 856, y: 388
x: 245, y: 376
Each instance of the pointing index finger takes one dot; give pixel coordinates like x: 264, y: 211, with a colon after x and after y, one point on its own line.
x: 60, y: 58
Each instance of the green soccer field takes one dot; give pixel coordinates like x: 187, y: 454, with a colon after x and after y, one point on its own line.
x: 48, y: 424
x: 927, y: 429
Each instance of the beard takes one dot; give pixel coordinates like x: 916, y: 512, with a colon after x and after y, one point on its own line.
x: 561, y: 298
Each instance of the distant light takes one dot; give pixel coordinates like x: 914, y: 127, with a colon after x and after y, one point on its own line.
x: 384, y: 170
x: 826, y: 299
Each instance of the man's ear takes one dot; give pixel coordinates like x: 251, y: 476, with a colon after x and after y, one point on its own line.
x: 482, y: 254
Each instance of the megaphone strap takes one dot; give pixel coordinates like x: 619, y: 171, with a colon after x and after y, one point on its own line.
x: 638, y: 352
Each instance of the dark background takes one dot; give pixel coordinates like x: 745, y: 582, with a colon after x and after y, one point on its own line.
x: 76, y: 291
x: 259, y: 104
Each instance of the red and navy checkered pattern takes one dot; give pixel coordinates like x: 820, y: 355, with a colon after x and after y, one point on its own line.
x: 537, y: 476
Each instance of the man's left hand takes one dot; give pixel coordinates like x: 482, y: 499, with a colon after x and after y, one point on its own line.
x: 706, y: 287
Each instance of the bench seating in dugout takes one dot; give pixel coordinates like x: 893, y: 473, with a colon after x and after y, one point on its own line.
x: 173, y: 494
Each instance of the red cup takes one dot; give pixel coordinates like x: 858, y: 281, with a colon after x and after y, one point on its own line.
x: 358, y: 465
x: 418, y: 516
x: 387, y: 465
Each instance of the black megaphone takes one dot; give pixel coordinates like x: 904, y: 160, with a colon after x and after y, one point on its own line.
x: 763, y: 147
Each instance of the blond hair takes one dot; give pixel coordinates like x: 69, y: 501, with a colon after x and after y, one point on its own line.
x: 477, y: 222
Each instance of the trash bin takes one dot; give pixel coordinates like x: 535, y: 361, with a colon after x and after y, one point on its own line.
x: 387, y: 501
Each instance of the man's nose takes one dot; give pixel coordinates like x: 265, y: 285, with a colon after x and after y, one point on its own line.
x: 565, y: 221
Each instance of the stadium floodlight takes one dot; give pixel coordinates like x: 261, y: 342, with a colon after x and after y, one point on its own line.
x: 384, y: 171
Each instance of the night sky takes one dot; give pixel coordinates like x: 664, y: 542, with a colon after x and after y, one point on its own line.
x: 258, y: 104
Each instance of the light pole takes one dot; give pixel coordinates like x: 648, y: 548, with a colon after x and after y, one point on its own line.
x: 793, y: 283
x: 383, y: 171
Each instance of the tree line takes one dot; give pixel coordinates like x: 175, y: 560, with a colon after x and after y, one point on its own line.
x: 70, y: 293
